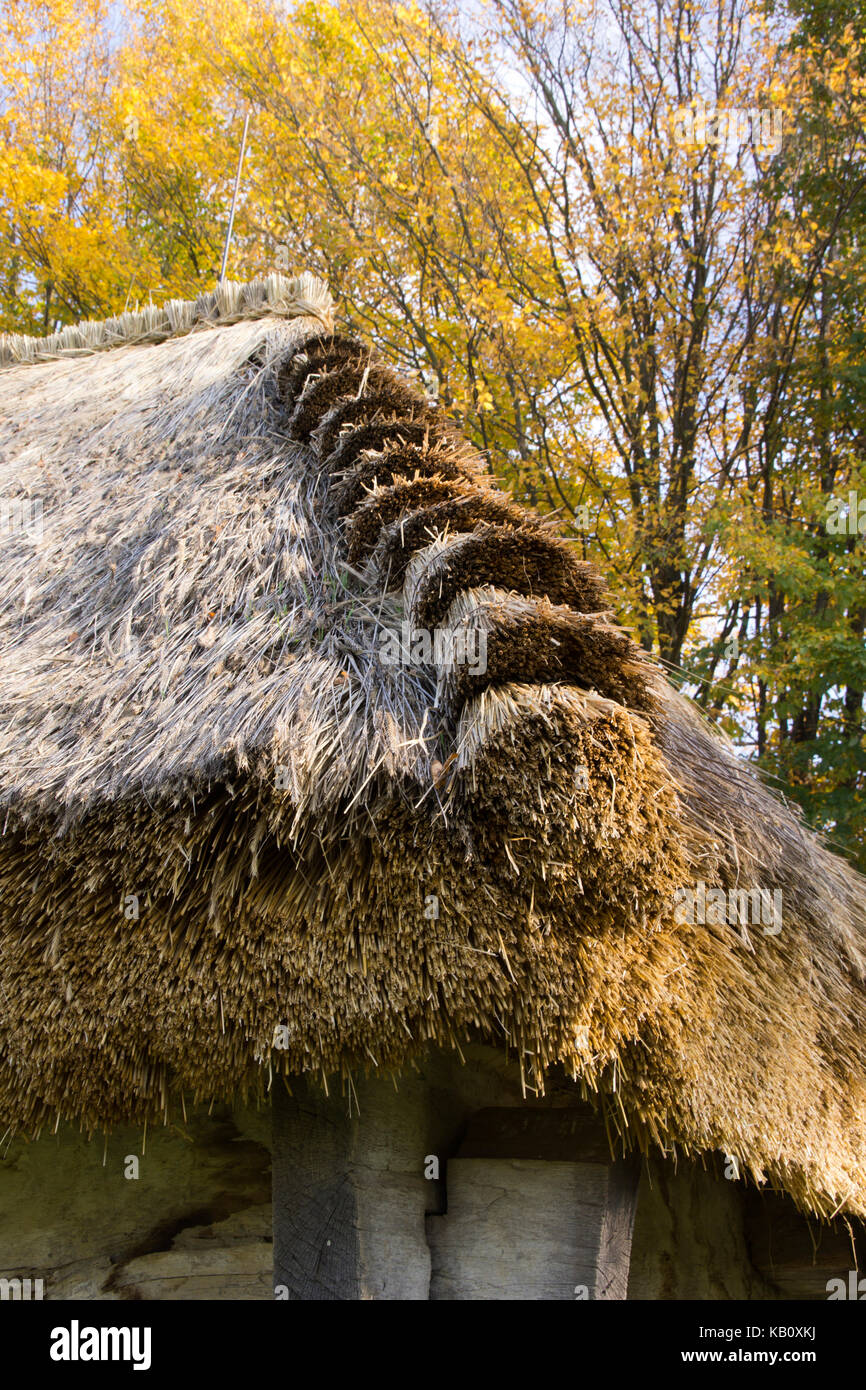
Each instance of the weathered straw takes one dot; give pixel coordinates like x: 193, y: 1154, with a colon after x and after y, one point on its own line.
x: 228, y: 303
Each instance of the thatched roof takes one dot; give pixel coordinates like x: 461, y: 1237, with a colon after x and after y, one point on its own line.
x: 243, y: 835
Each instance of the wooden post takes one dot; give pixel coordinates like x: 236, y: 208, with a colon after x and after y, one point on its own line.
x: 349, y: 1193
x: 535, y: 1209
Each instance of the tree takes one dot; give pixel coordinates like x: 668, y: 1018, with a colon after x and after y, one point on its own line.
x: 795, y: 595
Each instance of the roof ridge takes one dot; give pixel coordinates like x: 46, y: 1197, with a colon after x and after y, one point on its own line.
x: 231, y: 301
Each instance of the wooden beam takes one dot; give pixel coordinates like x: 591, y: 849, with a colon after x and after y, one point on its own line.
x: 570, y: 1133
x: 533, y: 1229
x: 537, y: 1209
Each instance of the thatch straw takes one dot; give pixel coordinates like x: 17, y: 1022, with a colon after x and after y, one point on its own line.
x: 239, y: 841
x: 538, y: 643
x: 228, y: 303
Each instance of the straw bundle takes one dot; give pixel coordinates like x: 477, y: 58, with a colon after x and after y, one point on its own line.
x: 229, y: 303
x: 239, y: 841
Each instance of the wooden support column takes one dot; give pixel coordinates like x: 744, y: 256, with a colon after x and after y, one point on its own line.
x: 349, y: 1192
